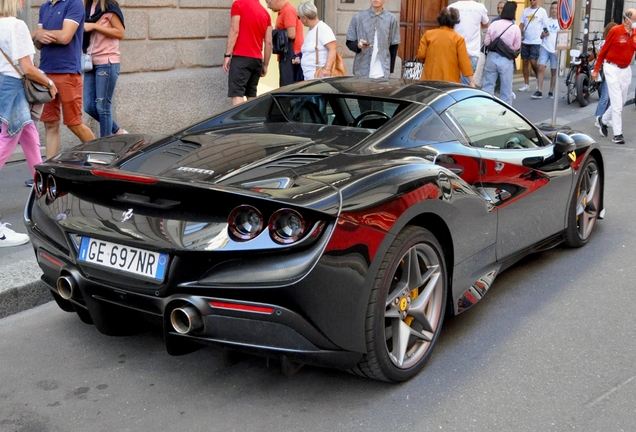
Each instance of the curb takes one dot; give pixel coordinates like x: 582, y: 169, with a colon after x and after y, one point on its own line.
x: 23, y: 297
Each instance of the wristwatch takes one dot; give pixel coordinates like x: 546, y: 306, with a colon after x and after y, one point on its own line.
x: 50, y: 84
x: 227, y: 55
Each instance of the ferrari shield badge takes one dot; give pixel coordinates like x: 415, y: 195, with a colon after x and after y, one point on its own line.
x: 572, y: 155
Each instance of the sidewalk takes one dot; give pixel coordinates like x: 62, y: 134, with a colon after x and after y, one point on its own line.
x: 20, y: 288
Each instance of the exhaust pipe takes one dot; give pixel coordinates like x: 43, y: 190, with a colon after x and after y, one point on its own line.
x: 185, y: 319
x: 66, y: 286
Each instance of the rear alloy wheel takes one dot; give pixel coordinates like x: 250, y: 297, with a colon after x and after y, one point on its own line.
x: 583, y: 89
x: 406, y: 309
x: 584, y: 206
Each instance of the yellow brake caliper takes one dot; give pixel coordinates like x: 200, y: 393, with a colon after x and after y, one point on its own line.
x: 409, y: 319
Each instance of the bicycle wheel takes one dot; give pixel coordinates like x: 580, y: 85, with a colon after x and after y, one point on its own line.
x: 570, y: 83
x: 583, y: 89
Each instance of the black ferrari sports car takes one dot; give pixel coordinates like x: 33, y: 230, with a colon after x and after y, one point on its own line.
x: 331, y: 222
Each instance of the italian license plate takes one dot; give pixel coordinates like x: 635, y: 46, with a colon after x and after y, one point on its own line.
x: 124, y: 258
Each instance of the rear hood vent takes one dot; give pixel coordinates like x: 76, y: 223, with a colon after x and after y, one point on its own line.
x: 294, y: 161
x: 182, y: 149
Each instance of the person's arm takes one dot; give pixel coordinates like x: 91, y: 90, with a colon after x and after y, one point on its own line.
x: 268, y: 50
x: 353, y: 46
x: 421, y: 51
x: 352, y: 36
x: 485, y: 21
x: 231, y: 41
x: 331, y: 58
x: 602, y: 54
x: 64, y: 36
x: 464, y: 61
x: 117, y: 30
x: 42, y: 37
x: 34, y: 74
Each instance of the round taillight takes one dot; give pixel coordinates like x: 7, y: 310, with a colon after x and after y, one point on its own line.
x: 51, y: 188
x: 286, y: 226
x: 245, y: 223
x: 38, y: 184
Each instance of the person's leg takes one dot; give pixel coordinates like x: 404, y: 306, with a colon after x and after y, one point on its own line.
x: 624, y: 80
x: 52, y: 137
x: 237, y: 78
x: 615, y: 96
x: 473, y: 64
x: 540, y: 75
x: 603, y: 101
x: 553, y: 74
x: 490, y: 74
x: 105, y: 82
x: 7, y: 144
x: 542, y: 63
x: 525, y: 60
x: 89, y: 94
x: 71, y: 101
x: 506, y: 69
x: 30, y: 142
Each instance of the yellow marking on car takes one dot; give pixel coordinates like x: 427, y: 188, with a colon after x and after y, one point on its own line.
x: 403, y: 304
x: 572, y: 155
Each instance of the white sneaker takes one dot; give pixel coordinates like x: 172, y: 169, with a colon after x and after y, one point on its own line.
x: 525, y: 87
x: 8, y: 237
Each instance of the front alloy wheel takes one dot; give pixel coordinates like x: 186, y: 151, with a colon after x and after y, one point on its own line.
x: 407, y: 307
x: 585, y: 205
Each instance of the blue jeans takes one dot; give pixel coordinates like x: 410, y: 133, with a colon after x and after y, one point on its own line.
x: 603, y: 101
x: 473, y: 64
x: 99, y: 86
x: 498, y: 66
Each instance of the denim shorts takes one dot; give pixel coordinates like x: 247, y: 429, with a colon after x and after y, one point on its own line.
x: 530, y: 51
x: 544, y: 56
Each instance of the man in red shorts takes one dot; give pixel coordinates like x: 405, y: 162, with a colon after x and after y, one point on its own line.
x: 59, y: 37
x: 244, y: 58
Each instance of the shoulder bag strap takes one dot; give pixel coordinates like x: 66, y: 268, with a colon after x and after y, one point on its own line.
x: 11, y: 63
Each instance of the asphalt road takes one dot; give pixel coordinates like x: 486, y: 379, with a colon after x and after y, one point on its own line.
x: 550, y: 348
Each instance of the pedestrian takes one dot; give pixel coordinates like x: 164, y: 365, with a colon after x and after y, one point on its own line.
x: 374, y: 35
x: 616, y: 56
x: 319, y: 48
x: 248, y: 49
x: 498, y: 66
x: 16, y: 124
x: 603, y: 99
x: 103, y: 29
x: 548, y: 53
x: 287, y: 19
x: 444, y: 51
x: 473, y: 16
x: 59, y: 39
x: 500, y: 6
x: 533, y: 20
x: 15, y: 114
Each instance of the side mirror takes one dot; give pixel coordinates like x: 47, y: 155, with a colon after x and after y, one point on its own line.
x: 563, y: 144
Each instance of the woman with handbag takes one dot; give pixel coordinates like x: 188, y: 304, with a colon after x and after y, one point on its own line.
x: 103, y: 29
x: 497, y: 65
x: 319, y: 49
x: 16, y: 60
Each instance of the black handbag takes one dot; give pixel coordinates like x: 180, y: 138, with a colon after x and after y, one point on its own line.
x: 36, y: 93
x: 501, y: 48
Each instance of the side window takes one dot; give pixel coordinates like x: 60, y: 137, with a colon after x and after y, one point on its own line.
x: 432, y: 131
x: 489, y: 124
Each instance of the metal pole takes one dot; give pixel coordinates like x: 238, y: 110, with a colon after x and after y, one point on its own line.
x: 586, y: 25
x: 556, y: 91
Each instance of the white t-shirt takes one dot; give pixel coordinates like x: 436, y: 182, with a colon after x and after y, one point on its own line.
x: 375, y: 69
x: 533, y: 21
x: 549, y: 43
x: 15, y: 41
x: 471, y: 15
x: 308, y: 61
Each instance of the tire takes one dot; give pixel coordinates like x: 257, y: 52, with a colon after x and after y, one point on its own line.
x: 583, y: 89
x: 570, y: 83
x: 411, y: 304
x: 584, y: 207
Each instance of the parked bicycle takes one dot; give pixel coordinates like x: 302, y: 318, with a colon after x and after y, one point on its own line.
x: 578, y: 82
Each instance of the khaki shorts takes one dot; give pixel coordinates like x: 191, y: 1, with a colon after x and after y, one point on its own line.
x: 69, y: 97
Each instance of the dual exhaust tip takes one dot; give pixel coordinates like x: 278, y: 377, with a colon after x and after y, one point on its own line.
x: 184, y: 320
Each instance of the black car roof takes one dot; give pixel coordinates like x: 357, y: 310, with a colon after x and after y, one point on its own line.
x: 386, y: 88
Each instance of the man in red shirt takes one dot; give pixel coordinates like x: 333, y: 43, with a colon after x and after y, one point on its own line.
x: 245, y: 59
x: 287, y: 19
x: 616, y: 56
